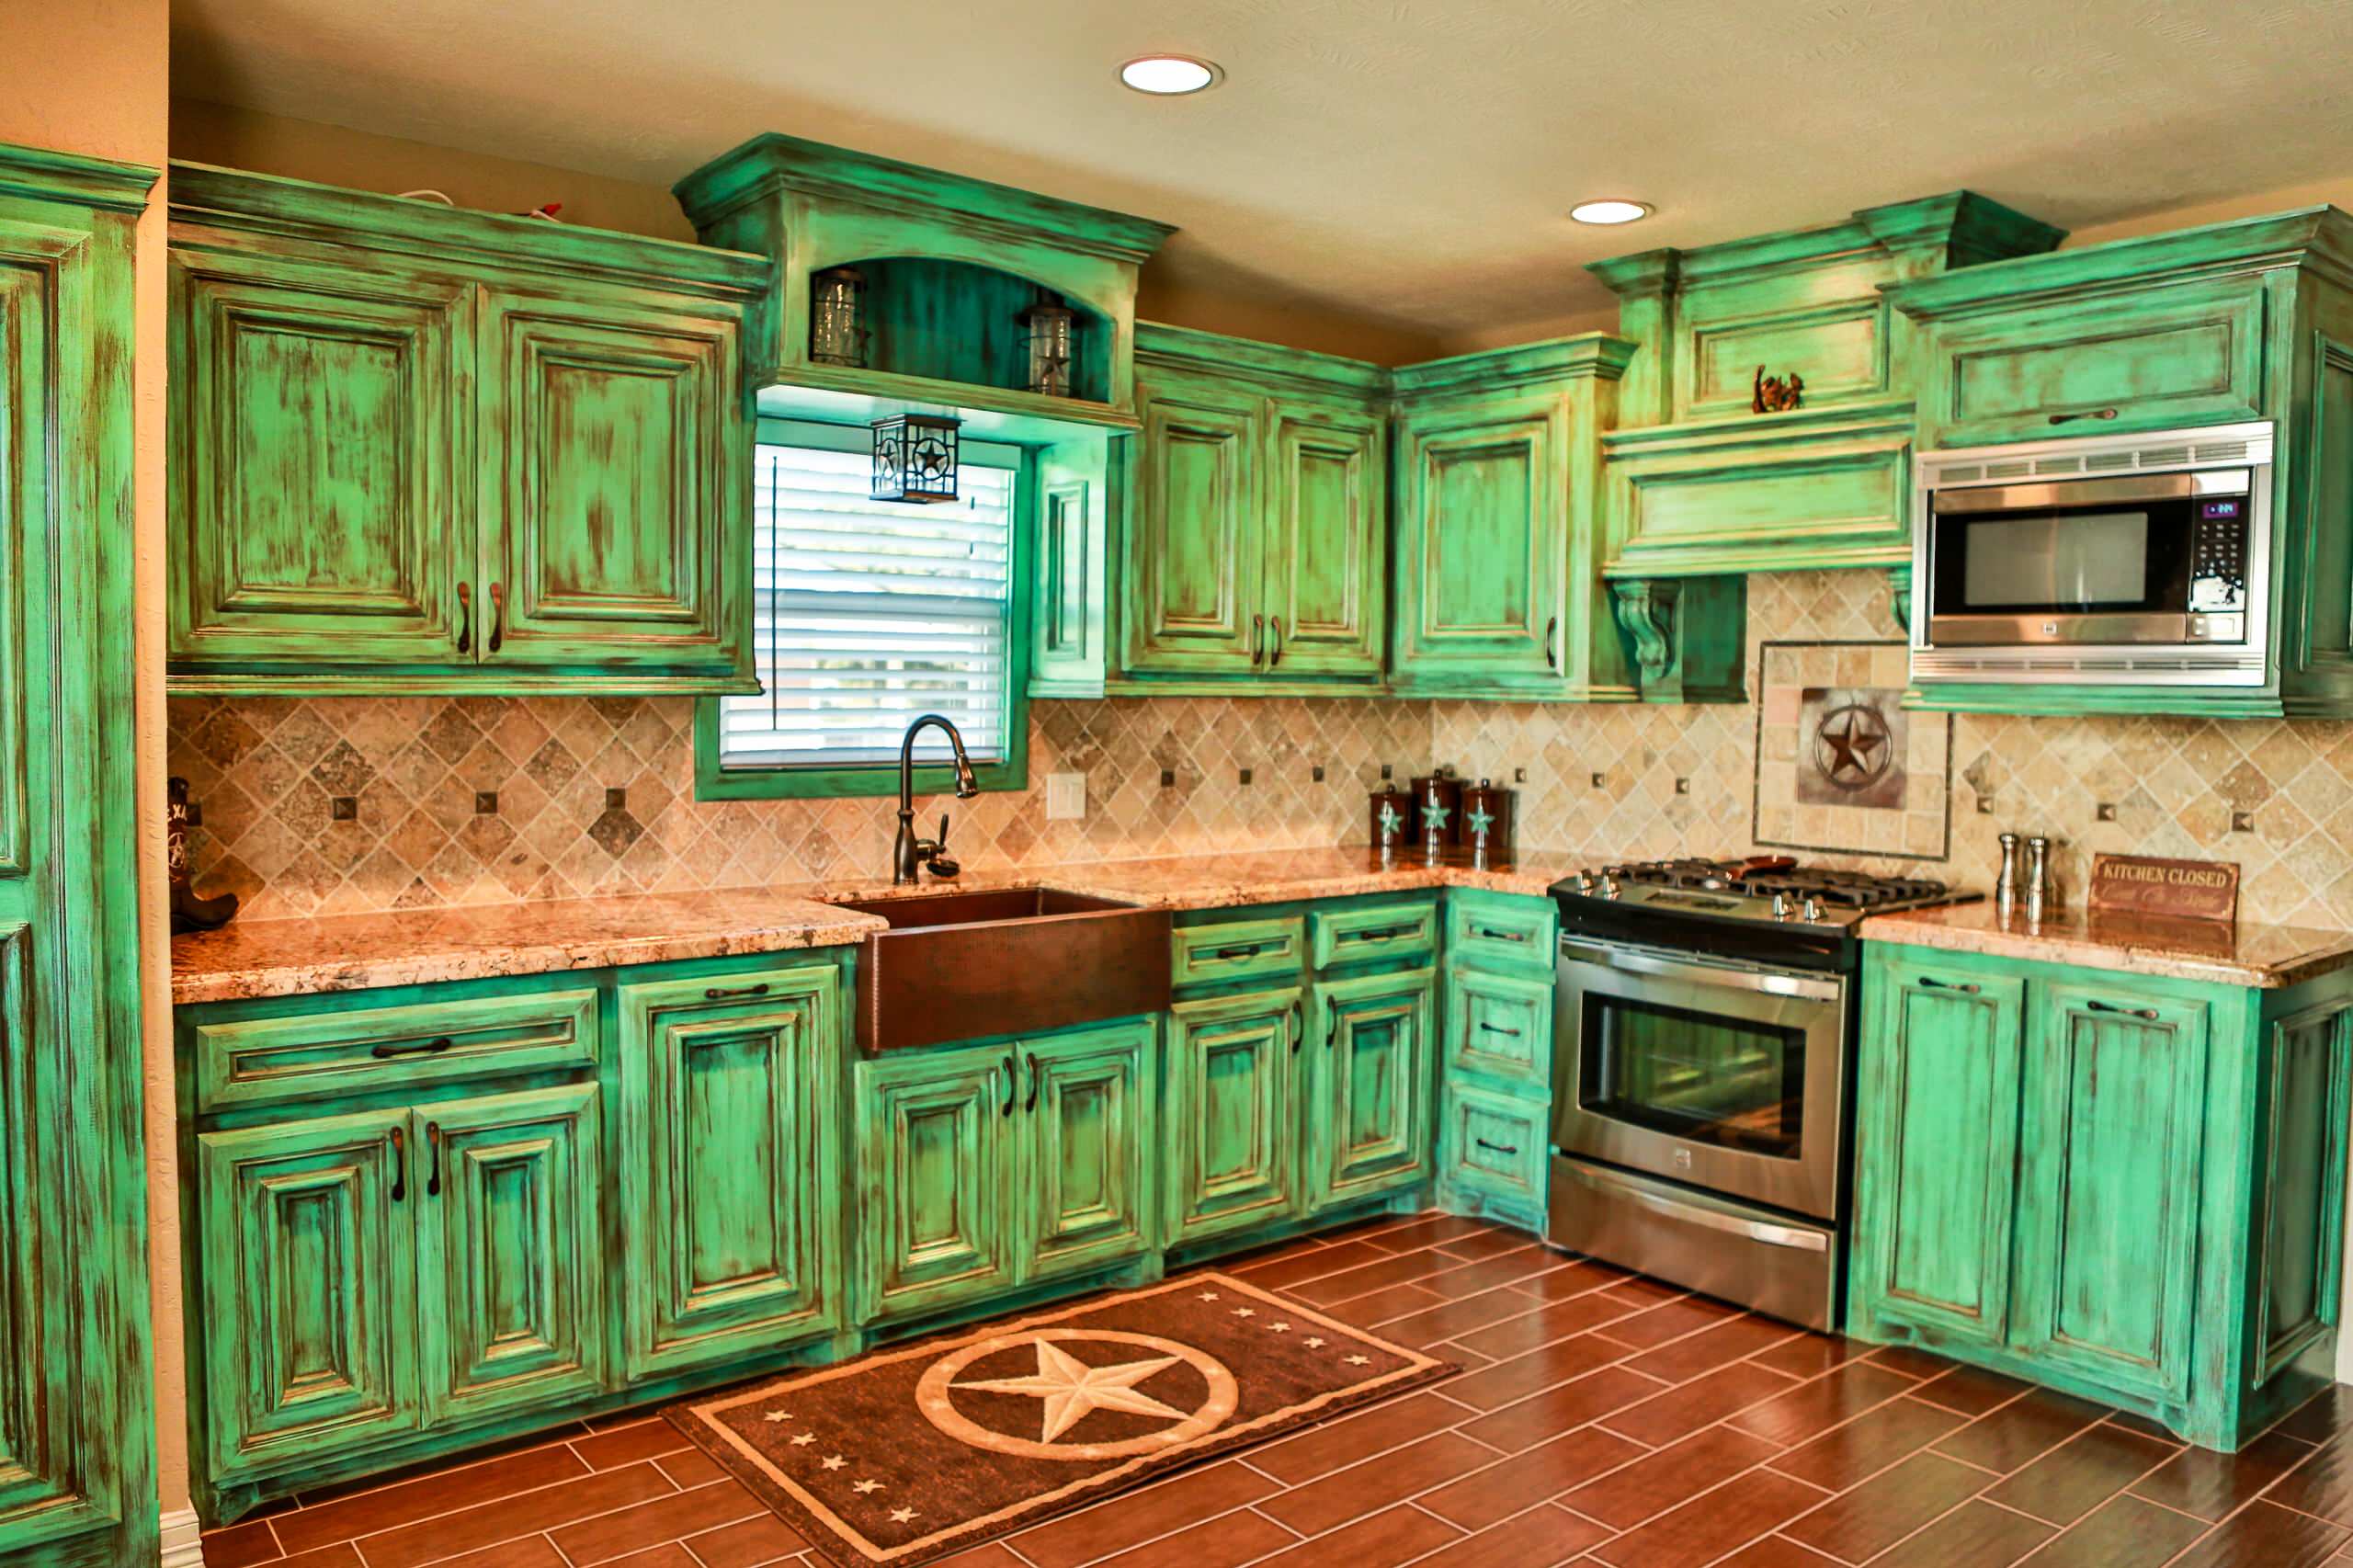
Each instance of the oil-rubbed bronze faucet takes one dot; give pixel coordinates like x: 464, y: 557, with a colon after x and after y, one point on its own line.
x: 910, y: 854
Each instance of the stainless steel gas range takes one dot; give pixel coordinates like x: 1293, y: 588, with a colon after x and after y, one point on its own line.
x: 1702, y: 1065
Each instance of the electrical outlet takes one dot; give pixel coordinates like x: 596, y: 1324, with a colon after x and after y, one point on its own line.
x: 1065, y: 797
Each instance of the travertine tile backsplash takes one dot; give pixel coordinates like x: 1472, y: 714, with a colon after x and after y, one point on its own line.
x: 267, y: 776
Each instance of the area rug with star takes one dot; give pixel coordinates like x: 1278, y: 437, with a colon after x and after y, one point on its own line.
x: 916, y: 1452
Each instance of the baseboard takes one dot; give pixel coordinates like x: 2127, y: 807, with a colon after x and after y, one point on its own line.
x: 183, y: 1541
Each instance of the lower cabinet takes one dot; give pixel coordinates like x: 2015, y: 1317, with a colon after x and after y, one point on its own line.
x: 1496, y: 1065
x: 1368, y: 1125
x: 2115, y: 1184
x: 985, y: 1168
x: 395, y: 1268
x: 729, y: 1241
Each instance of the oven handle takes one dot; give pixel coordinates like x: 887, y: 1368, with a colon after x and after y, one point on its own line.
x: 1803, y: 988
x: 1691, y: 1212
x: 2177, y: 487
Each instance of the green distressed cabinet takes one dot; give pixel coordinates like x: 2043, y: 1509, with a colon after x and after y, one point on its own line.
x: 1499, y: 533
x: 2129, y: 1188
x: 729, y: 1159
x: 2235, y: 322
x: 1368, y: 1094
x: 990, y: 1167
x: 1495, y: 1062
x: 417, y: 449
x: 1255, y: 547
x: 1234, y: 1111
x: 77, y: 1441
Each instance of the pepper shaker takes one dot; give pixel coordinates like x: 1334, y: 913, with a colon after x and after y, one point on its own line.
x: 2038, y: 877
x: 2006, y: 886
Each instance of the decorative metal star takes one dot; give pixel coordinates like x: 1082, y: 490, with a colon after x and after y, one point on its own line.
x: 1480, y: 821
x: 1434, y: 815
x: 1072, y: 1390
x: 1851, y: 749
x: 1390, y: 821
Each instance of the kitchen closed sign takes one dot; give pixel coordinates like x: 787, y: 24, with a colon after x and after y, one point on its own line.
x: 2179, y: 890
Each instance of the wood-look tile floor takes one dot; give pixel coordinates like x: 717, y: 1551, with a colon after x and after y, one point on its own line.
x: 1602, y: 1419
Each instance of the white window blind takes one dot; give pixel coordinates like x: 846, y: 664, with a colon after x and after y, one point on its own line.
x: 868, y: 613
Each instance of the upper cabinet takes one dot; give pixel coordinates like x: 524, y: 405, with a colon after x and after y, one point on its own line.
x: 945, y: 270
x: 418, y: 450
x: 1255, y: 542
x: 1768, y: 423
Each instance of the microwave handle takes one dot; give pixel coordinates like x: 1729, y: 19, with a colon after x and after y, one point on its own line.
x: 2046, y: 495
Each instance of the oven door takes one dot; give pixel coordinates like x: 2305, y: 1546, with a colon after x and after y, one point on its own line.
x: 1726, y: 1076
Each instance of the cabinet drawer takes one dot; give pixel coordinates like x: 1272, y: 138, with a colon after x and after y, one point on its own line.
x: 1500, y: 1026
x: 308, y: 1055
x: 1500, y: 931
x: 2171, y: 354
x: 1493, y: 1144
x: 1239, y: 949
x: 1407, y: 931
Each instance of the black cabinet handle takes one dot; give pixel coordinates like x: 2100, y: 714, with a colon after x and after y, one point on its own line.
x: 1551, y: 653
x: 1497, y: 1029
x: 2070, y: 418
x: 1276, y: 656
x: 433, y: 1047
x: 723, y: 994
x: 433, y: 1147
x: 1249, y: 951
x: 497, y: 614
x: 1298, y: 1028
x: 1933, y: 983
x: 1497, y: 1147
x: 1257, y: 640
x: 1034, y: 1077
x: 1495, y: 935
x: 2098, y: 1006
x: 1012, y: 1085
x: 400, y: 1166
x: 1384, y: 934
x: 465, y: 617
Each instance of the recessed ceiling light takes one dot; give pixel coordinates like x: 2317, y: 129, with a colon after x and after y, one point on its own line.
x: 1611, y: 212
x: 1170, y: 75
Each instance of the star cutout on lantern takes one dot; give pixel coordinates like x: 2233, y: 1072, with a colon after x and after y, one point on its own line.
x: 865, y: 1486
x: 804, y: 1439
x: 1851, y: 750
x: 835, y: 1462
x: 901, y: 1516
x: 1072, y: 1390
x: 774, y: 1417
x: 1360, y: 1360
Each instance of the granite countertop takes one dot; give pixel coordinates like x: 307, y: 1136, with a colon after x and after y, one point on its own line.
x: 2249, y: 953
x: 254, y: 959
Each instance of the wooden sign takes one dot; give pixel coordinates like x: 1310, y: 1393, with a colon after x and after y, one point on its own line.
x: 2179, y: 890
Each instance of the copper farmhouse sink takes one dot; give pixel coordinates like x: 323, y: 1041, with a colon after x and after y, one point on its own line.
x: 966, y: 965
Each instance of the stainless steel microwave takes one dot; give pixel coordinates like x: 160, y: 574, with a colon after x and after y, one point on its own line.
x: 2139, y: 560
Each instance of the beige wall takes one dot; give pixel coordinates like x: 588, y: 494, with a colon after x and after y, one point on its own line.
x: 94, y: 78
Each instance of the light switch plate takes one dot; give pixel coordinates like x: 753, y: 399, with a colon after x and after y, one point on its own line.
x: 1065, y: 797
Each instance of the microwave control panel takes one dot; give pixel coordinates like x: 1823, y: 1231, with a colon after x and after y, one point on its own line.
x: 2217, y: 571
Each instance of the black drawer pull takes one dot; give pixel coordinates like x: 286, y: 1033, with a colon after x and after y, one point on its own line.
x: 1497, y: 1147
x: 1250, y: 950
x: 2150, y: 1014
x: 722, y: 994
x: 2070, y: 418
x: 1933, y: 983
x: 433, y: 1047
x: 1491, y: 933
x: 1497, y: 1029
x: 1386, y: 934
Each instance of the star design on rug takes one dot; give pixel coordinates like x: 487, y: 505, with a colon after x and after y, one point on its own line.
x: 775, y: 1417
x: 1279, y: 1328
x: 1360, y: 1360
x: 901, y: 1516
x: 1246, y: 1311
x: 835, y: 1462
x: 1209, y: 1296
x: 804, y: 1439
x: 862, y: 1487
x: 1072, y: 1390
x: 1316, y: 1342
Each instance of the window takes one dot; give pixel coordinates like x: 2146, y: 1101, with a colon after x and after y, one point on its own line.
x: 865, y: 614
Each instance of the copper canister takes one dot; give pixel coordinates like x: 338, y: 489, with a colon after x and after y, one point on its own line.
x: 1484, y: 806
x: 1443, y: 793
x: 1392, y: 818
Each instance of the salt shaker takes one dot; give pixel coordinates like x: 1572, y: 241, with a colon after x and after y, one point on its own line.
x: 2038, y: 877
x: 2006, y: 886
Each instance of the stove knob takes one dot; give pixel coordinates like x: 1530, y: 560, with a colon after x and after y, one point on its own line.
x: 1814, y: 909
x: 1781, y: 906
x: 1609, y: 885
x: 1584, y: 881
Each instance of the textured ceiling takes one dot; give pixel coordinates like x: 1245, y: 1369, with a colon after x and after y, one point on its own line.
x: 1410, y: 161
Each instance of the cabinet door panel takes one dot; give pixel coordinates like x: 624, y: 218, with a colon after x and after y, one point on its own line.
x: 1369, y: 1101
x: 728, y: 1166
x: 1326, y: 543
x: 1482, y: 546
x: 615, y: 486
x: 1195, y: 552
x: 935, y: 1143
x: 309, y: 1250
x: 1088, y: 1139
x: 1938, y: 1131
x: 1233, y: 1112
x: 511, y: 1260
x: 319, y: 420
x: 2114, y: 1142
